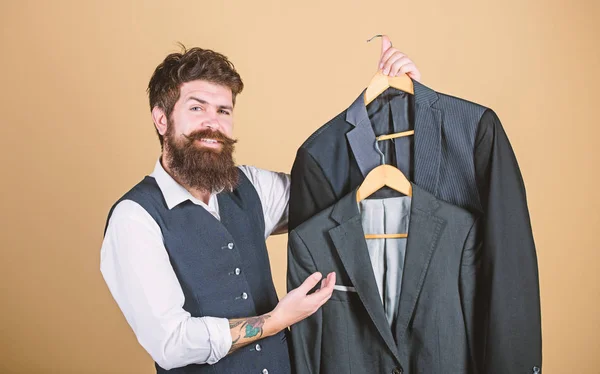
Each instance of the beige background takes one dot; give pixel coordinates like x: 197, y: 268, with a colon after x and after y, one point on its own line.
x: 77, y: 133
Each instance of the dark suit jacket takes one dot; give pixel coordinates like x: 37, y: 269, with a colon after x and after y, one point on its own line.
x: 350, y: 333
x: 461, y: 155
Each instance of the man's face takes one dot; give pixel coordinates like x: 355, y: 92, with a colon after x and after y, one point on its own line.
x: 198, y: 147
x: 203, y: 106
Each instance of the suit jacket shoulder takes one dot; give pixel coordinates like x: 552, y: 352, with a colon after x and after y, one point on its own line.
x: 329, y: 132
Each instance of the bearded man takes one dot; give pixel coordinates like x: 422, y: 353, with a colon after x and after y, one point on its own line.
x: 184, y: 252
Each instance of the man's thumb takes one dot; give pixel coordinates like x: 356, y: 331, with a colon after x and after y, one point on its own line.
x: 385, y: 44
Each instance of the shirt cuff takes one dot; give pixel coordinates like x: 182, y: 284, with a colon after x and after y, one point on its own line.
x: 219, y: 337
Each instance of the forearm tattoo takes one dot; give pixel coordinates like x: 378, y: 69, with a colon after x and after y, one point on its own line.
x: 246, y: 328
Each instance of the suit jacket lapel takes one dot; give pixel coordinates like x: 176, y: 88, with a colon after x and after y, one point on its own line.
x: 423, y: 233
x: 349, y: 241
x: 428, y: 137
x: 362, y: 137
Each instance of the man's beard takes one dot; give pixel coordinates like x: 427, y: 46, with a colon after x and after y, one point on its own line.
x: 207, y: 169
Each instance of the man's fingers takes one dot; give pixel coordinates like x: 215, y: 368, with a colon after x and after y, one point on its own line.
x: 386, y: 50
x: 394, y: 58
x: 386, y: 56
x: 324, y: 293
x: 398, y: 65
x: 330, y: 280
x: 412, y: 71
x: 310, y: 283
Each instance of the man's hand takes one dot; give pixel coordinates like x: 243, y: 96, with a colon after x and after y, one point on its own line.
x: 294, y: 307
x: 297, y: 304
x: 394, y: 63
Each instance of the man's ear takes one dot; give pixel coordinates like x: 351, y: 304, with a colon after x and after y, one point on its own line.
x: 160, y: 120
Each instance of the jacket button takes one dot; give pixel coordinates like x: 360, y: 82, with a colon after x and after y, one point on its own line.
x: 397, y: 371
x: 536, y: 370
x: 237, y: 271
x: 258, y: 347
x: 265, y: 371
x: 244, y: 296
x: 230, y: 245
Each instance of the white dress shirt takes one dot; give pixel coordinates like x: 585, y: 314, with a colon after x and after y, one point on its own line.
x: 137, y: 270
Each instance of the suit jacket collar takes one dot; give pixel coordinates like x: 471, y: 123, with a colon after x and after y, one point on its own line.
x: 348, y: 237
x: 347, y: 208
x: 356, y: 114
x: 427, y: 137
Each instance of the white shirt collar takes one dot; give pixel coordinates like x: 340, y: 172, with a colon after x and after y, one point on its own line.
x: 175, y: 194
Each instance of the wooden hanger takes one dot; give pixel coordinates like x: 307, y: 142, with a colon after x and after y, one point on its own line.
x: 384, y: 175
x: 386, y: 236
x: 381, y: 82
x: 396, y: 135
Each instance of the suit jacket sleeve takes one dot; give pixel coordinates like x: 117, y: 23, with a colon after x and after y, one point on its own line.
x: 310, y: 191
x: 509, y: 272
x: 306, y: 334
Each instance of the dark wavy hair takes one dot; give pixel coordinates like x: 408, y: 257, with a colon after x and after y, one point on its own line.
x: 186, y: 66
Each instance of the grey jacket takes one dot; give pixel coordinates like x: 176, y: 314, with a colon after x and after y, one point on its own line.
x: 436, y: 319
x: 460, y: 154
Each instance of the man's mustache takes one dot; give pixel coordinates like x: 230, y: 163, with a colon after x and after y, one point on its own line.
x: 210, y: 134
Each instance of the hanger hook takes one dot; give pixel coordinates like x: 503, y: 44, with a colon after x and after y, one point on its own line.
x: 378, y: 36
x: 381, y: 155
